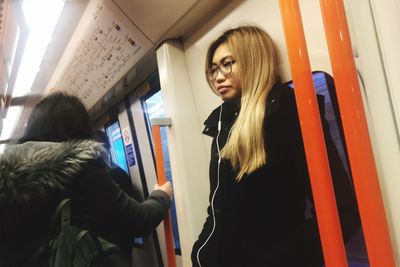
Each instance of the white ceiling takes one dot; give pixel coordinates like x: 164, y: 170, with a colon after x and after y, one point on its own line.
x: 154, y: 17
x: 149, y: 21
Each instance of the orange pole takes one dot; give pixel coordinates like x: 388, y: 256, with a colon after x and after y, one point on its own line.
x: 372, y: 211
x: 313, y: 137
x: 161, y: 177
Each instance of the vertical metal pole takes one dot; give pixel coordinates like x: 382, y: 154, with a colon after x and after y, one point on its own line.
x: 372, y: 211
x: 313, y: 137
x: 169, y: 238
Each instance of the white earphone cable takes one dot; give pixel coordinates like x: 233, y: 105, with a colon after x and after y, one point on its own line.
x: 215, y: 191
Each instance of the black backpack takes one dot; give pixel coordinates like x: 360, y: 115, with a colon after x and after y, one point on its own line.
x: 74, y: 247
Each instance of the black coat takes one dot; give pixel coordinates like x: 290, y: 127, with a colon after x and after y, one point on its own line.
x: 123, y: 180
x: 263, y: 219
x: 36, y: 176
x: 125, y: 183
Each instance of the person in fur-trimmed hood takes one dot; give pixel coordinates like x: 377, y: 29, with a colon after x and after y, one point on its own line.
x: 57, y: 158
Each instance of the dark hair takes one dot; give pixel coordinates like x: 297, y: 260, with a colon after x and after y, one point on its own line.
x: 214, y: 45
x: 102, y: 137
x: 59, y: 117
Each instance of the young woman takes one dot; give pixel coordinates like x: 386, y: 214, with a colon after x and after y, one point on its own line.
x: 258, y: 172
x: 57, y: 158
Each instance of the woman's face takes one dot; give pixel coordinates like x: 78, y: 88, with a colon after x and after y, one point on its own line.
x: 228, y: 85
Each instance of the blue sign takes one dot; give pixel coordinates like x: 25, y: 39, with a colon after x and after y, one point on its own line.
x: 130, y: 155
x: 117, y: 146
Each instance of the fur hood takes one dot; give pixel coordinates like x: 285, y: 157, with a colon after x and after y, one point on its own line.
x: 31, y: 171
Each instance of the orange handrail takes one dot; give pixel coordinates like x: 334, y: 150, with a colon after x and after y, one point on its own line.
x: 161, y: 177
x: 313, y: 137
x: 372, y: 212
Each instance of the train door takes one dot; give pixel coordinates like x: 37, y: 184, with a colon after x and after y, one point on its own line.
x: 123, y: 152
x: 154, y: 108
x: 145, y: 104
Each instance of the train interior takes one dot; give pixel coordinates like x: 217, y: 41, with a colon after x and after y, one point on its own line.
x: 135, y: 63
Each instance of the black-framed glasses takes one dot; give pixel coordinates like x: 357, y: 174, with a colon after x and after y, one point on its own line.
x: 225, y: 67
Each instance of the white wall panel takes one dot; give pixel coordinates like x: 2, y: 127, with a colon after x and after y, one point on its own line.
x: 188, y: 158
x: 380, y: 109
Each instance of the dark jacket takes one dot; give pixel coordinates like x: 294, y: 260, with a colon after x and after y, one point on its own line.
x: 125, y: 183
x: 263, y: 219
x: 123, y: 180
x: 36, y: 176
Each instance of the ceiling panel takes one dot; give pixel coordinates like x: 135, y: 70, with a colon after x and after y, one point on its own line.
x: 103, y: 49
x: 155, y: 17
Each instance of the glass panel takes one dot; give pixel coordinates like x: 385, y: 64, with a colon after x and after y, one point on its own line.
x: 324, y: 86
x: 154, y: 107
x: 117, y: 149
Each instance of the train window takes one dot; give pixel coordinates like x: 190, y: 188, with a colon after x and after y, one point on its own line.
x: 117, y: 150
x: 154, y: 108
x: 325, y: 88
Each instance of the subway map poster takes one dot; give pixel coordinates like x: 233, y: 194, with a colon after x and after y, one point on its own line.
x: 106, y: 47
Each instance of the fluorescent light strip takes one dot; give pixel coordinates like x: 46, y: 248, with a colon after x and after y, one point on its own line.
x: 41, y: 22
x: 41, y: 27
x: 9, y: 124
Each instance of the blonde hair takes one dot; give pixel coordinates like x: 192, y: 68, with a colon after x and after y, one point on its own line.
x: 256, y: 58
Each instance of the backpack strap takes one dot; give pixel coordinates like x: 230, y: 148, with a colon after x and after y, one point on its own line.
x: 80, y: 236
x: 63, y: 211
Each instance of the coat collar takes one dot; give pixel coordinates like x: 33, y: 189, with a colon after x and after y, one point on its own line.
x: 35, y: 169
x: 228, y: 114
